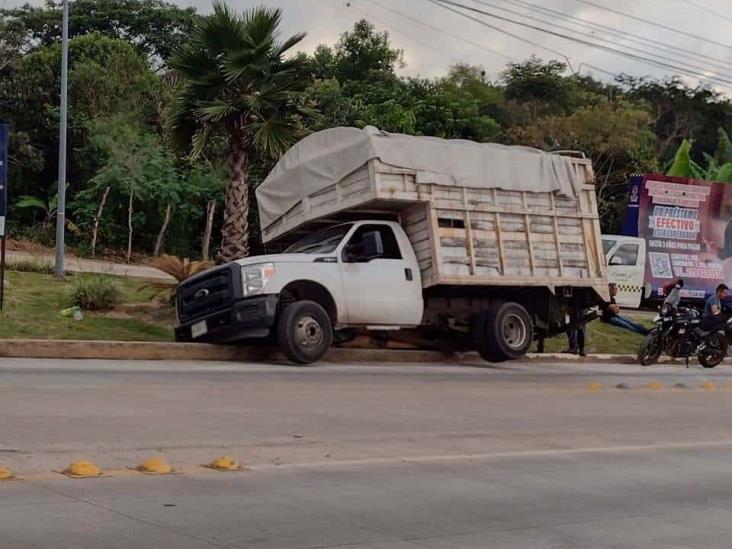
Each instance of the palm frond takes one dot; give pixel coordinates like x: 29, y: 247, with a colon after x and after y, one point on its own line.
x: 213, y: 111
x: 223, y: 31
x: 283, y: 47
x: 180, y: 269
x: 274, y: 135
x: 199, y: 141
x: 262, y: 24
x: 180, y: 123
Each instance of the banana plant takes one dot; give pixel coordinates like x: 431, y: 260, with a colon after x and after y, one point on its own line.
x: 48, y: 208
x: 719, y: 166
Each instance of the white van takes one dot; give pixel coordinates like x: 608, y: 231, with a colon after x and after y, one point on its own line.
x: 626, y: 267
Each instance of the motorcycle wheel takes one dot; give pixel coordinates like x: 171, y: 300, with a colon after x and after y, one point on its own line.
x: 650, y: 349
x: 715, y: 352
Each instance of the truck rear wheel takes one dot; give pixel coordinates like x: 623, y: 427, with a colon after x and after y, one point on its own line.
x: 502, y: 332
x: 304, y: 332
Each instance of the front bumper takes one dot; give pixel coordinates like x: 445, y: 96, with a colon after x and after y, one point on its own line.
x: 248, y: 318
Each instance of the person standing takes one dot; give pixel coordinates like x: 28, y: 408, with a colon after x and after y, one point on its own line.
x: 576, y: 336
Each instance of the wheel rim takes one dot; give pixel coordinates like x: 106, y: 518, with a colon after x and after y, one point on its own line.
x: 651, y: 350
x: 514, y: 330
x: 308, y: 332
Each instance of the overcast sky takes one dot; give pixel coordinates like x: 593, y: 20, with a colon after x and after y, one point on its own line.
x: 431, y: 39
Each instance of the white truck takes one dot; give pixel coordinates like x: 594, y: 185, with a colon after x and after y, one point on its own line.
x: 480, y: 247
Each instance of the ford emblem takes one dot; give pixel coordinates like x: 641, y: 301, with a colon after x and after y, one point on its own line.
x: 201, y: 294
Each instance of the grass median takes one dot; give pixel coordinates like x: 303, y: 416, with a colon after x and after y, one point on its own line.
x: 33, y: 305
x: 604, y: 338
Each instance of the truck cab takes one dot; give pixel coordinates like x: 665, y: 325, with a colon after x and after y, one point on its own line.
x: 626, y: 261
x: 360, y: 274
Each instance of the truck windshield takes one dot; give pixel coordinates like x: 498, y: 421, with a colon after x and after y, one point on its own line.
x: 324, y: 241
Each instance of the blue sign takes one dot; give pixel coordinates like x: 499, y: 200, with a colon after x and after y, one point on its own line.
x: 630, y: 225
x: 4, y: 134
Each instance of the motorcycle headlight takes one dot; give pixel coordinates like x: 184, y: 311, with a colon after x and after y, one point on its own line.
x: 254, y: 278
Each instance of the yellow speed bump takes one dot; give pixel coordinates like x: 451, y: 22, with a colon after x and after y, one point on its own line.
x: 225, y: 463
x: 709, y: 385
x: 82, y: 468
x: 155, y: 466
x: 594, y: 386
x: 654, y: 386
x: 6, y: 474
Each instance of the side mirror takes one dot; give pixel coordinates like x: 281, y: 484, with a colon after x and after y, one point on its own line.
x: 616, y: 261
x: 373, y: 246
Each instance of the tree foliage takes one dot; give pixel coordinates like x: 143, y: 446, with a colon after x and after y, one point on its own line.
x: 154, y: 27
x: 180, y: 111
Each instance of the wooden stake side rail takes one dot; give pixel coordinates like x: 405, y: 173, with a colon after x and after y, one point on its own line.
x: 471, y: 236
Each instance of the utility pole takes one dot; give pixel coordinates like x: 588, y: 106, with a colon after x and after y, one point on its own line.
x: 61, y: 211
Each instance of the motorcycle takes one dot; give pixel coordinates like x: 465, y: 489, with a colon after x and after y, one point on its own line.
x: 678, y: 332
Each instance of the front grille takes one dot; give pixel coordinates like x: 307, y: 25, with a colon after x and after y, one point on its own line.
x: 205, y: 294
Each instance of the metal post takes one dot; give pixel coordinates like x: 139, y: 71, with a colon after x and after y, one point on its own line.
x: 61, y: 211
x: 4, y: 135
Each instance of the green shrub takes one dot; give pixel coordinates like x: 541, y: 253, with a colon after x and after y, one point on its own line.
x: 39, y: 265
x: 94, y: 292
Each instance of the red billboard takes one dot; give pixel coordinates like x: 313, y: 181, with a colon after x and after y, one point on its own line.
x: 687, y: 225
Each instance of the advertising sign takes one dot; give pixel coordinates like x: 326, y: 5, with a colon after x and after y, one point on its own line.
x: 687, y: 225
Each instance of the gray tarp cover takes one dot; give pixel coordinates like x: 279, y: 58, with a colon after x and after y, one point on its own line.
x: 326, y: 157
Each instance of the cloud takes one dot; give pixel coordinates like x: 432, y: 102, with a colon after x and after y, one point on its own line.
x: 429, y: 52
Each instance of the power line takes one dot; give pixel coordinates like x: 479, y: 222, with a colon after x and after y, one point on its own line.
x: 503, y: 31
x: 642, y: 40
x: 684, y: 64
x: 688, y: 72
x: 653, y: 23
x: 442, y: 31
x: 708, y: 10
x: 413, y: 38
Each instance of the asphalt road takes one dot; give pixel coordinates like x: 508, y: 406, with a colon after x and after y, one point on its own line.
x: 524, y: 455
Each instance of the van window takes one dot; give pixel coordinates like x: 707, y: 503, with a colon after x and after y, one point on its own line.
x: 627, y: 254
x: 391, y: 246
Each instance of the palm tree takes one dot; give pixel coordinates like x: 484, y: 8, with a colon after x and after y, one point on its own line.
x: 236, y: 83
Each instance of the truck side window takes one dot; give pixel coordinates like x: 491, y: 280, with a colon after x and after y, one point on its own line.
x: 391, y: 246
x: 607, y: 245
x: 627, y: 254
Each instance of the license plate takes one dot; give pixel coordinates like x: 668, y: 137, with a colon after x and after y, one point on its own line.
x: 682, y: 330
x: 199, y: 329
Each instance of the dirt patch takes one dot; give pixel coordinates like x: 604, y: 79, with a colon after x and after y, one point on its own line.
x: 149, y: 311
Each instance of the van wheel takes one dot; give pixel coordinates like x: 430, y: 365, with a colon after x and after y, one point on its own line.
x: 502, y: 332
x: 304, y: 332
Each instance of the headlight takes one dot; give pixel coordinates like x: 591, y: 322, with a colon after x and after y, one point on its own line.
x: 254, y: 278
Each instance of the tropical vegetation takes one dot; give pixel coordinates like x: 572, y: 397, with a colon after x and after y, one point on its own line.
x: 176, y: 117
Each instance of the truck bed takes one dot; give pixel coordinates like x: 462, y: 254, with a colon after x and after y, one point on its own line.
x: 466, y: 235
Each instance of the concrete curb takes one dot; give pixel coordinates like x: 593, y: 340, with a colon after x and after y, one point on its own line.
x: 126, y: 350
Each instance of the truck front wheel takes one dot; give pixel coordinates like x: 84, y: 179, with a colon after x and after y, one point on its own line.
x: 502, y: 332
x: 304, y: 332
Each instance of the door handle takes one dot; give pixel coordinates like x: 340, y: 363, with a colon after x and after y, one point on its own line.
x: 408, y: 274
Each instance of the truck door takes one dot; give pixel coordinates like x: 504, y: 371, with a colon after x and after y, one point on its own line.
x: 626, y: 268
x: 384, y: 291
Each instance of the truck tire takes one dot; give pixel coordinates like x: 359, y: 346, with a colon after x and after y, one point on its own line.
x: 502, y: 332
x: 304, y: 332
